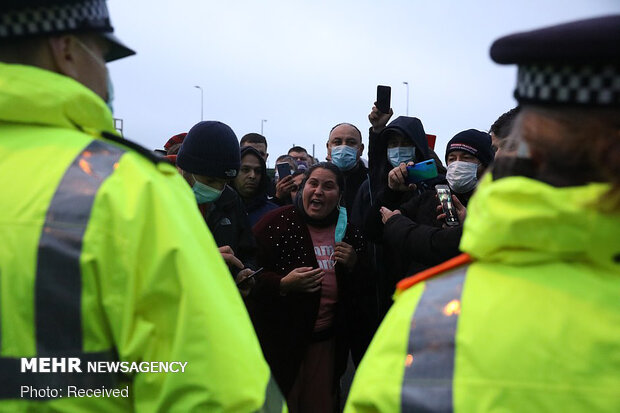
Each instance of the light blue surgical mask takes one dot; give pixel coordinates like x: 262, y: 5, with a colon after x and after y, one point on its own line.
x: 401, y: 154
x: 341, y: 225
x: 344, y: 157
x: 204, y: 193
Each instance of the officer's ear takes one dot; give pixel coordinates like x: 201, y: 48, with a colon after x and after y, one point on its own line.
x: 64, y: 51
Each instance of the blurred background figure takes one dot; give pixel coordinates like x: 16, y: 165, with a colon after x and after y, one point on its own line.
x: 501, y: 128
x: 301, y: 157
x: 256, y: 141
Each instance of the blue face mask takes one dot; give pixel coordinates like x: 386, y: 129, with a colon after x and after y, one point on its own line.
x: 341, y: 225
x: 401, y: 154
x: 344, y: 157
x: 204, y: 193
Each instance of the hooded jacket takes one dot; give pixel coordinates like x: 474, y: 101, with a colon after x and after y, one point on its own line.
x: 378, y: 162
x: 104, y: 257
x: 259, y: 204
x: 374, y: 188
x: 374, y: 193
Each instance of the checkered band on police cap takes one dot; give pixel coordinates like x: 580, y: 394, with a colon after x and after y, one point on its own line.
x: 54, y: 17
x: 575, y: 63
x: 589, y: 85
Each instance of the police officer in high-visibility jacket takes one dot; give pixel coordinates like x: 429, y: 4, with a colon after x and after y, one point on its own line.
x: 104, y: 257
x: 528, y: 320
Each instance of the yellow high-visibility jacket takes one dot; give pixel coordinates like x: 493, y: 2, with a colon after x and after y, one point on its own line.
x: 529, y: 323
x: 104, y: 257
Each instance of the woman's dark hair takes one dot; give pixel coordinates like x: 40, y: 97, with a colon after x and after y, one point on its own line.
x: 298, y: 201
x: 330, y: 167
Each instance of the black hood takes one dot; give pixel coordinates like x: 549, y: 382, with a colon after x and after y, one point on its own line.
x: 410, y: 127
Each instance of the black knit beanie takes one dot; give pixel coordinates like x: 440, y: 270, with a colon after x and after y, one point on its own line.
x: 473, y: 141
x: 211, y: 149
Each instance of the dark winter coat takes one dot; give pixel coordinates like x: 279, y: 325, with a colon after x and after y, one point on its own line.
x: 353, y: 179
x: 228, y: 222
x: 416, y: 240
x: 284, y: 324
x: 375, y: 193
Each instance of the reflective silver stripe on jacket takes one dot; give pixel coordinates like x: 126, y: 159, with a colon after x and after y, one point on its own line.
x: 429, y: 364
x: 274, y: 402
x: 58, y: 281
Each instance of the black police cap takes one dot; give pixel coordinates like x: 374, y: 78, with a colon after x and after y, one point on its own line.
x: 575, y: 64
x: 31, y: 18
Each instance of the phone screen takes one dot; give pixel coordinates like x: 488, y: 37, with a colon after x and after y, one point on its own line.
x: 384, y: 95
x: 421, y: 171
x: 284, y: 169
x: 445, y: 197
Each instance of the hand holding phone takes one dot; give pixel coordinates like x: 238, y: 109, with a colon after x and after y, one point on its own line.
x: 284, y: 169
x: 421, y: 171
x: 445, y: 198
x: 249, y: 277
x: 397, y: 178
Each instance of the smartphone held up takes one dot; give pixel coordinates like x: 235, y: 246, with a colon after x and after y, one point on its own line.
x: 445, y: 197
x: 421, y: 171
x: 283, y: 169
x: 384, y: 96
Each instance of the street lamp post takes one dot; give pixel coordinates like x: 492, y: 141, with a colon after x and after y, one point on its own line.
x: 262, y: 122
x: 407, y: 84
x: 201, y: 102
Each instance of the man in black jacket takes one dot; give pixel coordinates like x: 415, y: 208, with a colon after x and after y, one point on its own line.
x: 209, y: 159
x: 344, y: 149
x: 415, y: 236
x: 402, y: 141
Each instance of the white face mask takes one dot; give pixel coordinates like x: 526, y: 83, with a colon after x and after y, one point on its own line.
x: 461, y: 176
x: 110, y: 87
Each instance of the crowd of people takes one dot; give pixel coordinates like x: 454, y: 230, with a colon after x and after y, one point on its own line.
x: 487, y: 280
x: 415, y: 240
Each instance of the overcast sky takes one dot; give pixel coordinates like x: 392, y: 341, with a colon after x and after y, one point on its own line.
x: 305, y: 66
